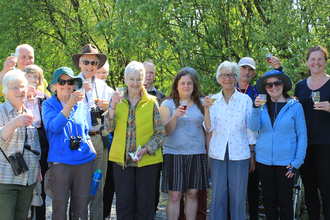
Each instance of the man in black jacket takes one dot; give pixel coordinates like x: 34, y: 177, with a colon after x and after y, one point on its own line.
x: 149, y: 80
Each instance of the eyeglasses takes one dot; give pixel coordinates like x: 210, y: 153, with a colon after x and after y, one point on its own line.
x: 269, y: 85
x: 230, y: 76
x: 32, y: 77
x: 62, y: 82
x: 16, y: 88
x: 93, y: 63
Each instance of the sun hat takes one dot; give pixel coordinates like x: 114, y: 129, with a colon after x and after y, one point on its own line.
x: 287, y: 84
x: 59, y: 72
x: 89, y: 49
x: 247, y: 61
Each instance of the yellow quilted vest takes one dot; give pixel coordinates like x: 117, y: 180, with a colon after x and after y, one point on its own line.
x: 144, y: 130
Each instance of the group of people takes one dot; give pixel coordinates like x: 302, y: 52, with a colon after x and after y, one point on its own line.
x: 58, y: 134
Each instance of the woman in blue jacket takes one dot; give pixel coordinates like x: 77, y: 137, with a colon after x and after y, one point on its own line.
x: 71, y: 153
x: 282, y: 141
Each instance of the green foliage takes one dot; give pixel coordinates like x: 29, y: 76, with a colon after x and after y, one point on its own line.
x: 174, y: 34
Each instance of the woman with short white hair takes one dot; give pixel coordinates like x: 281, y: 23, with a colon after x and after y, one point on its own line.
x: 20, y: 149
x: 136, y: 122
x: 231, y: 144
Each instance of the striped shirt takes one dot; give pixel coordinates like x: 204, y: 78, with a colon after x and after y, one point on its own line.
x: 15, y: 144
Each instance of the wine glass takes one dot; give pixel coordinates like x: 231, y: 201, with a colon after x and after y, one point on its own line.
x: 316, y: 96
x: 32, y: 110
x: 33, y: 97
x: 268, y: 58
x: 262, y: 100
x: 15, y: 59
x: 121, y: 91
x: 213, y: 98
x: 184, y: 105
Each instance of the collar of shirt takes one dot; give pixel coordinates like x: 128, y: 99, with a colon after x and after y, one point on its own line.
x: 233, y: 96
x: 9, y: 107
x: 153, y: 89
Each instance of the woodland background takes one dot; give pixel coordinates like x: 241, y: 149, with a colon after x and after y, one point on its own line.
x: 174, y: 34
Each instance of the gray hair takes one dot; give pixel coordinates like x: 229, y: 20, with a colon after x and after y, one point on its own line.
x: 231, y: 66
x: 25, y: 46
x: 151, y: 63
x: 134, y: 67
x: 190, y: 70
x: 106, y: 66
x: 13, y: 76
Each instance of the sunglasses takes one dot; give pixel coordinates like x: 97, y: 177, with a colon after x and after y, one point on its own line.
x: 93, y: 63
x: 269, y: 85
x: 62, y: 82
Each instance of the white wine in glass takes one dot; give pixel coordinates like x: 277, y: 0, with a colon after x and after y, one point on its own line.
x: 316, y: 97
x: 121, y: 91
x: 262, y: 100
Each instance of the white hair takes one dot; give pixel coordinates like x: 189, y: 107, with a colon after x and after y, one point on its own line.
x: 106, y: 66
x: 13, y: 76
x: 151, y: 63
x: 25, y: 46
x: 231, y: 66
x: 134, y: 67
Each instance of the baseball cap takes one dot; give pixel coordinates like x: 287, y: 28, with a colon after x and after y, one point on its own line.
x: 247, y: 61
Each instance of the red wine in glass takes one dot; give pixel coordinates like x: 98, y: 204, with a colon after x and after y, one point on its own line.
x: 268, y: 58
x: 184, y: 105
x: 145, y: 86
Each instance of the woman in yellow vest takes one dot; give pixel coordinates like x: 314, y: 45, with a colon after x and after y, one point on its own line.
x: 185, y: 159
x: 136, y: 122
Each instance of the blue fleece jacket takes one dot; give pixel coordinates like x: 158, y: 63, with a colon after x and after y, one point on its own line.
x: 58, y: 134
x: 284, y: 143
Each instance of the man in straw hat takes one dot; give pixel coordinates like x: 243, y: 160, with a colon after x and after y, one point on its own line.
x: 96, y: 99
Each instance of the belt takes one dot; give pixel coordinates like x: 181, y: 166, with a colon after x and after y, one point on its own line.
x: 93, y: 133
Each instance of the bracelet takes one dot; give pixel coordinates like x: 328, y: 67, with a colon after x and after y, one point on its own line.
x: 252, y: 151
x: 112, y: 108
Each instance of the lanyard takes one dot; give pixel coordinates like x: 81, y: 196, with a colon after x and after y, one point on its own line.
x: 74, y: 118
x: 97, y: 96
x: 245, y: 88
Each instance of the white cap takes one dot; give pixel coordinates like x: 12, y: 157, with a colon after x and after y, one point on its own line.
x: 247, y: 61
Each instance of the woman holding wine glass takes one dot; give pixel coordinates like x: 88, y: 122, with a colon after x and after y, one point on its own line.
x: 137, y: 124
x: 282, y: 141
x: 230, y: 146
x: 34, y: 75
x: 185, y: 159
x: 315, y: 171
x: 18, y: 143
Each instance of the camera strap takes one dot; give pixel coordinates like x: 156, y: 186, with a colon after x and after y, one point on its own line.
x: 97, y: 96
x: 74, y: 118
x: 23, y: 147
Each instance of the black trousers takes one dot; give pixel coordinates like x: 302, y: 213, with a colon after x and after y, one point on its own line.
x: 253, y: 194
x: 315, y: 174
x: 277, y: 191
x: 135, y: 191
x: 108, y: 191
x: 41, y: 210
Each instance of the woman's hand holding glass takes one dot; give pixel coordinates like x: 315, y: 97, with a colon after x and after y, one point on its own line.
x: 76, y: 96
x: 207, y: 102
x: 259, y: 102
x: 324, y: 106
x: 180, y: 112
x: 24, y: 120
x: 116, y: 98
